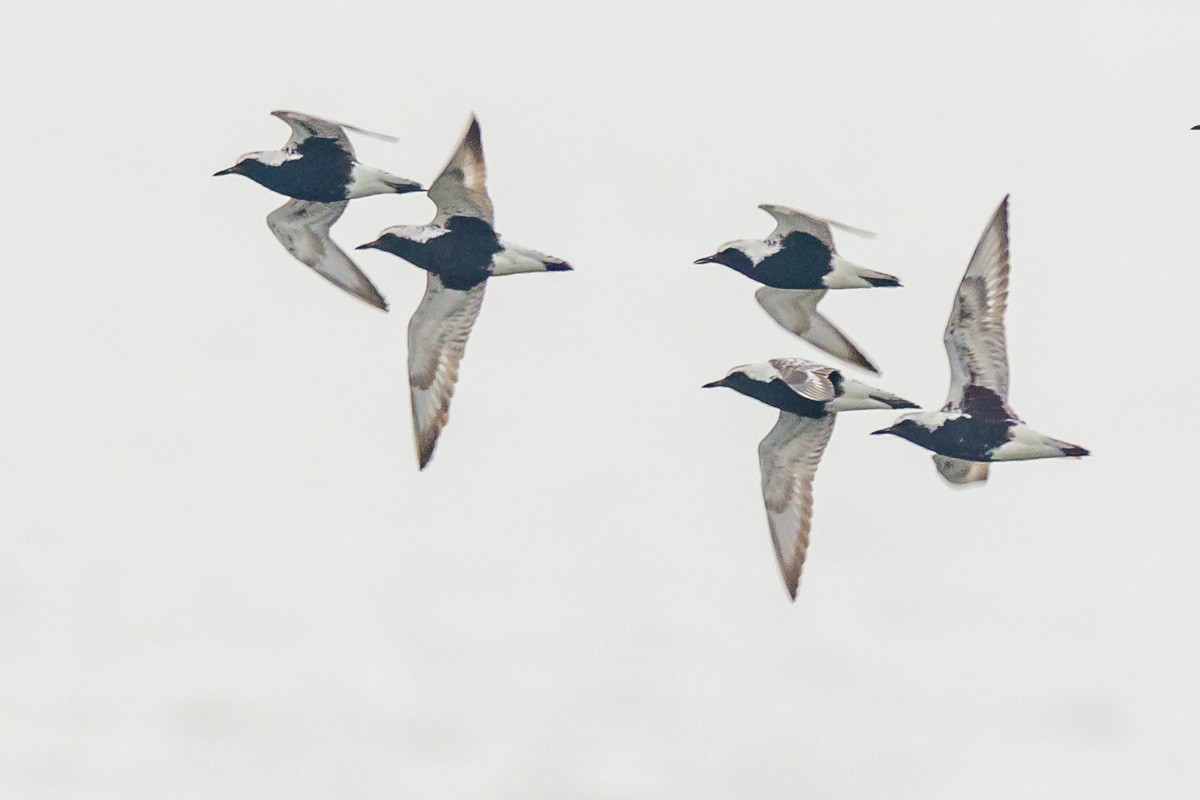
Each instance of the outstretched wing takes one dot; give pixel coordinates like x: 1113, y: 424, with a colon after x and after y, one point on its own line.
x: 796, y: 310
x: 302, y: 226
x: 461, y: 191
x: 789, y: 456
x: 958, y: 472
x: 789, y: 220
x: 975, y: 340
x: 305, y: 125
x: 437, y: 337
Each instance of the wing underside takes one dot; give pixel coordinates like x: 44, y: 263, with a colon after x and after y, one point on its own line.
x: 796, y: 310
x: 437, y: 339
x: 789, y: 456
x: 302, y: 227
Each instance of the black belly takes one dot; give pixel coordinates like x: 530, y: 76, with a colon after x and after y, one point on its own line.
x: 969, y: 438
x: 321, y: 173
x: 461, y: 258
x: 800, y: 264
x: 776, y: 393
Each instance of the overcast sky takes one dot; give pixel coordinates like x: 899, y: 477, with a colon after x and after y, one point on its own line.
x: 221, y: 574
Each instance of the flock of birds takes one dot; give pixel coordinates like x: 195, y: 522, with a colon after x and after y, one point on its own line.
x: 797, y: 264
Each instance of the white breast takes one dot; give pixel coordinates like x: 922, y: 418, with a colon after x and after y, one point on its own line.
x: 757, y: 250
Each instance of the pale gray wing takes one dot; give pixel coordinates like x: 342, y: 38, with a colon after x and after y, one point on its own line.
x: 806, y: 378
x: 302, y: 226
x: 306, y: 125
x: 461, y: 190
x: 789, y: 220
x: 974, y: 337
x: 437, y: 337
x: 789, y: 456
x: 958, y: 472
x: 796, y: 310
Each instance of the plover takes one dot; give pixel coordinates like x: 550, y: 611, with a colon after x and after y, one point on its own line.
x: 977, y: 425
x: 460, y: 250
x: 797, y: 264
x: 318, y: 170
x: 808, y: 397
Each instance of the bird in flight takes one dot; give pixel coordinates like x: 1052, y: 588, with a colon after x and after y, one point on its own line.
x: 808, y: 396
x: 318, y: 170
x: 460, y: 251
x: 798, y: 264
x: 977, y: 425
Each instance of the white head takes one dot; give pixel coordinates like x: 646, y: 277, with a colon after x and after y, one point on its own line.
x: 741, y: 254
x: 918, y: 425
x: 762, y: 372
x: 247, y: 161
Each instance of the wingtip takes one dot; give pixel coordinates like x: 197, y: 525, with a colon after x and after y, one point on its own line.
x: 424, y: 452
x: 474, y: 134
x: 865, y: 365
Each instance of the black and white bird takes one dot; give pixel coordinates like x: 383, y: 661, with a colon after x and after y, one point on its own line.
x: 797, y: 264
x: 808, y: 397
x: 977, y: 425
x: 318, y: 170
x: 460, y: 250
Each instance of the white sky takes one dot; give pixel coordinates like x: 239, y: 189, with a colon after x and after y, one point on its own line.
x: 221, y: 574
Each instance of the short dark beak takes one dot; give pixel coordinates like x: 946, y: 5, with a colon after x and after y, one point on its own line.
x: 714, y: 384
x: 707, y: 260
x: 883, y: 430
x: 230, y: 171
x: 368, y: 246
x: 559, y: 266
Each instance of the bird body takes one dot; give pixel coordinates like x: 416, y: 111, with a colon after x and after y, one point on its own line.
x: 799, y: 254
x: 977, y: 425
x: 318, y: 164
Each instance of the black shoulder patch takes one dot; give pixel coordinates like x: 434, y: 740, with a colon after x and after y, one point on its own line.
x: 981, y: 402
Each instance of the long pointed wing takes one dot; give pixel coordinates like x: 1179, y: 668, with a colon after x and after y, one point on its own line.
x: 302, y: 227
x: 958, y: 472
x: 305, y: 125
x: 789, y: 456
x: 789, y: 220
x: 974, y: 337
x: 796, y: 310
x: 437, y: 337
x: 461, y: 190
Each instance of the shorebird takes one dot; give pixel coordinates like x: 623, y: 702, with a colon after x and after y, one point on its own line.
x: 460, y: 250
x: 798, y: 264
x: 318, y: 170
x: 808, y: 397
x: 977, y: 425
